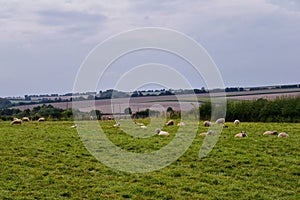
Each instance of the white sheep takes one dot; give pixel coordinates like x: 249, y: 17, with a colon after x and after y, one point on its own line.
x: 270, y: 133
x: 206, y: 123
x: 170, y: 123
x: 139, y: 124
x: 143, y: 127
x: 117, y: 124
x: 25, y: 119
x: 41, y: 119
x: 16, y: 121
x: 160, y: 132
x: 236, y: 122
x: 242, y: 134
x: 283, y: 134
x: 210, y: 132
x: 74, y: 126
x: 220, y: 121
x: 181, y: 124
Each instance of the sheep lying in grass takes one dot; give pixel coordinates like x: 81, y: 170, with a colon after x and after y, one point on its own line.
x: 283, y: 134
x: 143, y: 126
x: 181, y: 124
x: 241, y: 135
x: 16, y: 121
x: 270, y: 133
x: 170, y: 123
x: 117, y: 124
x: 236, y: 122
x: 160, y: 132
x: 25, y: 119
x: 41, y: 119
x: 206, y: 123
x: 210, y: 132
x: 220, y: 121
x: 139, y: 124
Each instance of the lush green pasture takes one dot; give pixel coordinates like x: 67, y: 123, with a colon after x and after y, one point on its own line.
x: 49, y: 161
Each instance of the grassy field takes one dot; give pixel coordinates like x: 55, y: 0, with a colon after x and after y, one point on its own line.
x: 49, y: 161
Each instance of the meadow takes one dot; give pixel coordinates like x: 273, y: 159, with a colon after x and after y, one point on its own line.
x: 49, y: 161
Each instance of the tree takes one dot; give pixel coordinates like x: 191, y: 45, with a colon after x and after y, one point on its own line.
x: 128, y: 111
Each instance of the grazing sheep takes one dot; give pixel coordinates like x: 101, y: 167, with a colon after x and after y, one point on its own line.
x: 283, y: 134
x: 16, y: 121
x: 25, y: 119
x: 143, y: 127
x: 242, y: 134
x: 206, y: 133
x: 170, y: 123
x: 206, y: 123
x: 117, y: 124
x: 74, y: 126
x: 181, y: 124
x: 236, y: 122
x: 160, y: 132
x: 41, y: 119
x: 220, y: 121
x: 270, y: 133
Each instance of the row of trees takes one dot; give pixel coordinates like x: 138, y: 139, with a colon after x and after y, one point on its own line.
x: 260, y: 110
x: 47, y: 111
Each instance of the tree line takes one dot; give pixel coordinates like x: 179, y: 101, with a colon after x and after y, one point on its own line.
x: 260, y: 110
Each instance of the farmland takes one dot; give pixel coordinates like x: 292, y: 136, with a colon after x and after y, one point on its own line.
x: 187, y: 101
x: 49, y: 161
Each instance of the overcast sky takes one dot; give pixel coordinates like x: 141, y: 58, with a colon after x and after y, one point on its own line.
x: 43, y: 43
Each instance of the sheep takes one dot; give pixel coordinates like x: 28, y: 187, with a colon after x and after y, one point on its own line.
x: 283, y: 134
x: 117, y: 124
x: 236, y: 122
x: 160, y: 132
x: 25, y: 119
x: 270, y: 133
x: 206, y: 123
x: 206, y: 133
x: 242, y: 134
x: 139, y: 124
x: 16, y: 121
x: 41, y: 119
x: 170, y: 123
x: 181, y: 124
x: 220, y: 121
x: 74, y: 126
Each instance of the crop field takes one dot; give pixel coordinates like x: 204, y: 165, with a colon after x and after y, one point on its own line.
x: 49, y: 161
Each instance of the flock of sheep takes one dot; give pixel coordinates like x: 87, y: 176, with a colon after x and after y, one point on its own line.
x: 241, y: 134
x: 25, y: 119
x: 158, y: 131
x: 220, y: 121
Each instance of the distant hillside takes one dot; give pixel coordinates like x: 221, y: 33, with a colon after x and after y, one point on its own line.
x: 4, y: 103
x: 114, y: 94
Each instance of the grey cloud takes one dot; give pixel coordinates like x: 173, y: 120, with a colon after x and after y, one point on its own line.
x: 291, y: 5
x: 60, y: 18
x: 71, y: 22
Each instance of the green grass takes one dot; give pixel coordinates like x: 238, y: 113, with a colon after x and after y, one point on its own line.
x: 49, y: 161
